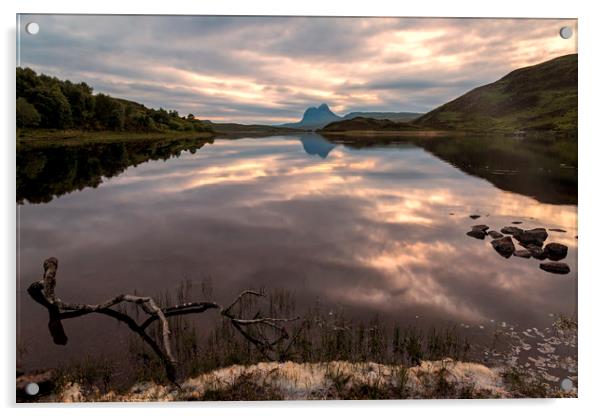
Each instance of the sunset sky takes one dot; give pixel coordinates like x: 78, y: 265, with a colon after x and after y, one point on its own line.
x: 270, y: 69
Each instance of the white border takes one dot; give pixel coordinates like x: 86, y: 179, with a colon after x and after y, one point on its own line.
x: 590, y: 154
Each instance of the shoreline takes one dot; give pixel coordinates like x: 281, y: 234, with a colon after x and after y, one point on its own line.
x: 442, y: 133
x: 28, y: 139
x: 40, y: 138
x: 333, y: 380
x: 50, y: 138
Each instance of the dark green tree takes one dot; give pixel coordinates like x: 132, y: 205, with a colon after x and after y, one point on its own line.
x: 52, y: 105
x: 64, y: 104
x: 109, y: 112
x: 80, y: 99
x: 27, y: 115
x: 27, y: 80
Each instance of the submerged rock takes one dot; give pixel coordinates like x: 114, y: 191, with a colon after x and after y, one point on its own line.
x: 536, y: 236
x: 555, y: 251
x: 555, y: 267
x: 477, y: 234
x: 511, y: 230
x: 525, y: 254
x: 557, y: 230
x: 474, y: 216
x: 504, y: 246
x: 495, y: 235
x: 517, y: 222
x: 480, y: 227
x: 537, y: 252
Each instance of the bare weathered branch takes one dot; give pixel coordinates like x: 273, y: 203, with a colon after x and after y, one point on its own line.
x: 49, y: 280
x: 43, y: 292
x: 239, y: 298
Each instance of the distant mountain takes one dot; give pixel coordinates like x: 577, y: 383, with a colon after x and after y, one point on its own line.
x: 383, y: 115
x: 318, y: 117
x: 542, y: 97
x: 315, y: 118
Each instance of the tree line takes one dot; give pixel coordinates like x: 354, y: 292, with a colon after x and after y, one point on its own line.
x: 48, y: 102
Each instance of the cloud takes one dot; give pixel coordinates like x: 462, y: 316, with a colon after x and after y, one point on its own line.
x: 269, y: 69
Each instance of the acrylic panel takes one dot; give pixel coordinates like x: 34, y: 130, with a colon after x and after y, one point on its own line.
x: 229, y: 208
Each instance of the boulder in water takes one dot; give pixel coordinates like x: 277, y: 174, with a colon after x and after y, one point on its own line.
x: 504, y: 246
x: 477, y: 234
x: 555, y: 267
x: 511, y: 230
x: 495, y: 235
x: 536, y: 236
x: 525, y: 254
x: 537, y: 252
x: 555, y: 251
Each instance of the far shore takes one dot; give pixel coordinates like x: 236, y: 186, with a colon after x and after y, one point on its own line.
x: 358, y: 135
x: 39, y: 138
x: 44, y: 137
x: 73, y: 137
x: 390, y: 133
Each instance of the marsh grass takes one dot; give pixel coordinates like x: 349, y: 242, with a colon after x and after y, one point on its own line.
x: 43, y: 138
x: 207, y: 342
x: 94, y: 375
x: 244, y: 387
x: 522, y: 384
x: 565, y: 323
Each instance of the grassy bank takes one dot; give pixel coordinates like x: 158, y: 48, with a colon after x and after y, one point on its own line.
x: 359, y: 135
x: 38, y: 138
x: 334, y: 380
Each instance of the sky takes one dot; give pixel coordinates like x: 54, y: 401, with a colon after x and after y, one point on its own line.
x: 268, y: 70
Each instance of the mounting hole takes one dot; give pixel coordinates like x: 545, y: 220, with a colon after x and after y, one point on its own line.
x: 32, y: 389
x: 566, y: 384
x: 32, y: 28
x: 566, y: 32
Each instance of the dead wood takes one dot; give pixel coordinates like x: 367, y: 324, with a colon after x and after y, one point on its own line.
x: 43, y: 292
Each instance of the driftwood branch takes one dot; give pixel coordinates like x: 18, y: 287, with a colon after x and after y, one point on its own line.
x: 43, y: 292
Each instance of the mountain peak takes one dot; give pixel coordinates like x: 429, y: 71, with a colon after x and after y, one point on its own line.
x: 315, y: 117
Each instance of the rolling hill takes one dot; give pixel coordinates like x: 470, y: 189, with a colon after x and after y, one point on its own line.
x: 386, y: 115
x: 367, y: 124
x: 542, y: 97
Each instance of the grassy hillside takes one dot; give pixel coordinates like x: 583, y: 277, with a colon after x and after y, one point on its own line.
x: 542, y: 97
x: 387, y: 115
x: 249, y: 129
x: 367, y: 124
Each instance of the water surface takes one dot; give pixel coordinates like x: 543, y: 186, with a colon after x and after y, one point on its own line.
x: 373, y: 230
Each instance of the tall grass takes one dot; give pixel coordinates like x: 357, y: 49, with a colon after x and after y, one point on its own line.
x: 207, y: 342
